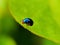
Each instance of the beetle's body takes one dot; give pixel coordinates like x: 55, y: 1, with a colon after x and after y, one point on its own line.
x: 27, y: 21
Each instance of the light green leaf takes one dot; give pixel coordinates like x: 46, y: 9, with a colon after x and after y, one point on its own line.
x: 44, y: 13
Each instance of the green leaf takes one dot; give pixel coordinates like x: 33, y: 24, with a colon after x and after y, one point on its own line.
x: 11, y: 33
x: 44, y: 13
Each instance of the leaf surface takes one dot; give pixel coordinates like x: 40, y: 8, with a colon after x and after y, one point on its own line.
x: 44, y: 13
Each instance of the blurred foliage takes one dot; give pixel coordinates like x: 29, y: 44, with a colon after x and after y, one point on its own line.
x: 6, y: 40
x: 12, y: 33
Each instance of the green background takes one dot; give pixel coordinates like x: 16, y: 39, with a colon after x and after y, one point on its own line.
x: 12, y: 33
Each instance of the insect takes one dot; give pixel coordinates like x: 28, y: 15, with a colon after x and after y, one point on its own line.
x: 27, y: 21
